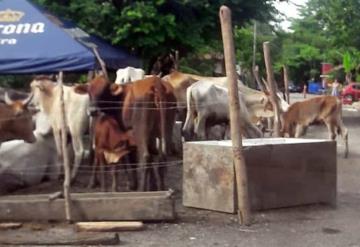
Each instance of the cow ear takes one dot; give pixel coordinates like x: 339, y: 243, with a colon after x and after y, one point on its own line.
x: 81, y: 88
x: 116, y: 89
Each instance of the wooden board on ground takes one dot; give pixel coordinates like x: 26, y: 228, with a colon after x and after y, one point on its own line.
x: 59, y: 238
x: 121, y: 206
x: 109, y: 226
x: 8, y: 226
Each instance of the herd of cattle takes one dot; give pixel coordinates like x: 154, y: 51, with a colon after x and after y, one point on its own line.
x: 132, y: 120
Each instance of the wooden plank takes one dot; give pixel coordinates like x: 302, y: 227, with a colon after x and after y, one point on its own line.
x: 109, y: 226
x: 121, y: 206
x: 59, y: 238
x: 8, y: 226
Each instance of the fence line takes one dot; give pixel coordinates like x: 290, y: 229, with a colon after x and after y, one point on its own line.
x: 81, y: 171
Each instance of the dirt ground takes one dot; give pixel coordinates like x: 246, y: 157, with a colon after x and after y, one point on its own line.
x: 316, y: 225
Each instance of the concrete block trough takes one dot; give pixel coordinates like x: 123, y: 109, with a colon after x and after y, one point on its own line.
x: 144, y: 206
x: 282, y: 172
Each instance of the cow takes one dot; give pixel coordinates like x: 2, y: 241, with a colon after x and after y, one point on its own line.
x: 207, y: 102
x: 111, y: 145
x: 181, y: 81
x: 129, y: 74
x: 326, y: 109
x: 25, y: 164
x: 148, y: 107
x: 47, y: 98
x: 16, y: 120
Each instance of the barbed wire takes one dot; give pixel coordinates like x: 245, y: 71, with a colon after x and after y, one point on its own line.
x: 111, y: 164
x: 124, y: 168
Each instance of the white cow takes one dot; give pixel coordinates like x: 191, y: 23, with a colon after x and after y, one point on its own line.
x: 47, y: 97
x: 129, y: 74
x: 23, y: 164
x: 207, y: 105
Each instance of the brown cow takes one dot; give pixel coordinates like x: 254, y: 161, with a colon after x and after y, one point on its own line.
x: 16, y: 120
x: 111, y: 146
x: 325, y: 109
x: 148, y: 108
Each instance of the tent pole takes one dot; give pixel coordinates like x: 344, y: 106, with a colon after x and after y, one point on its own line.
x: 102, y: 63
x: 66, y: 163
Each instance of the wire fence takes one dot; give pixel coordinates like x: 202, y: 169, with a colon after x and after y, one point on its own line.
x: 119, y: 167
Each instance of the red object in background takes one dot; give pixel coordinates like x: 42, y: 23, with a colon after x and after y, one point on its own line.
x: 325, y: 68
x: 351, y: 93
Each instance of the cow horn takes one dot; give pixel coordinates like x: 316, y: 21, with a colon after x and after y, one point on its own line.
x: 28, y: 99
x: 7, y: 99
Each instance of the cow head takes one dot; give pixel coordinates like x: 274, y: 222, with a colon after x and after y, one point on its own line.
x: 162, y: 65
x: 18, y: 120
x: 41, y: 87
x: 101, y: 96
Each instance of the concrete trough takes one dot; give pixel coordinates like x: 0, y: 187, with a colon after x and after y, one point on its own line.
x: 143, y: 206
x: 282, y: 172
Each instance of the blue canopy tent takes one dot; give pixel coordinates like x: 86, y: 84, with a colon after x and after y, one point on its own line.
x: 34, y: 41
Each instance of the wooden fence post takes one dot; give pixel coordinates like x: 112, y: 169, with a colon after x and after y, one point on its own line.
x: 239, y: 161
x: 286, y: 84
x: 272, y: 87
x: 65, y: 155
x: 102, y: 63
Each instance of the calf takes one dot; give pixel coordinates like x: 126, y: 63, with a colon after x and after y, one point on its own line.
x: 327, y: 109
x: 111, y: 145
x: 16, y: 120
x: 146, y: 106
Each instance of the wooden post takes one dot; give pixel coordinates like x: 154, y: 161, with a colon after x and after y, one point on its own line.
x: 102, y: 63
x: 286, y: 84
x: 177, y: 60
x: 65, y: 154
x: 272, y: 87
x: 257, y: 78
x: 239, y: 161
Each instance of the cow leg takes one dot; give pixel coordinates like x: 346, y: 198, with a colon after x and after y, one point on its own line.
x: 113, y: 173
x: 131, y: 159
x: 93, y: 172
x: 299, y: 131
x: 143, y: 161
x: 200, y: 127
x: 102, y: 171
x: 79, y: 154
x: 342, y: 130
x: 58, y: 165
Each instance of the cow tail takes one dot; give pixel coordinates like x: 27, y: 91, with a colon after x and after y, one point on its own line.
x: 159, y: 97
x: 127, y: 109
x: 190, y: 112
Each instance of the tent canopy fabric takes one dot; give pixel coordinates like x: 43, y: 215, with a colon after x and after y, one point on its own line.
x: 34, y: 41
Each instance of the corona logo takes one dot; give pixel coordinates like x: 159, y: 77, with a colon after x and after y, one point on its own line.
x: 9, y: 15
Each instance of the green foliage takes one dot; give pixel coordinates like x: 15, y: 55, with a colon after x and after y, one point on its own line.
x: 149, y: 28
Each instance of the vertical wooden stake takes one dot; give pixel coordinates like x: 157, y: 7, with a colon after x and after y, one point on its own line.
x: 176, y: 60
x: 102, y: 63
x: 272, y: 87
x: 286, y: 84
x: 65, y: 154
x: 239, y: 161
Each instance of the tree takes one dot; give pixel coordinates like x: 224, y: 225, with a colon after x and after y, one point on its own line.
x: 149, y: 28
